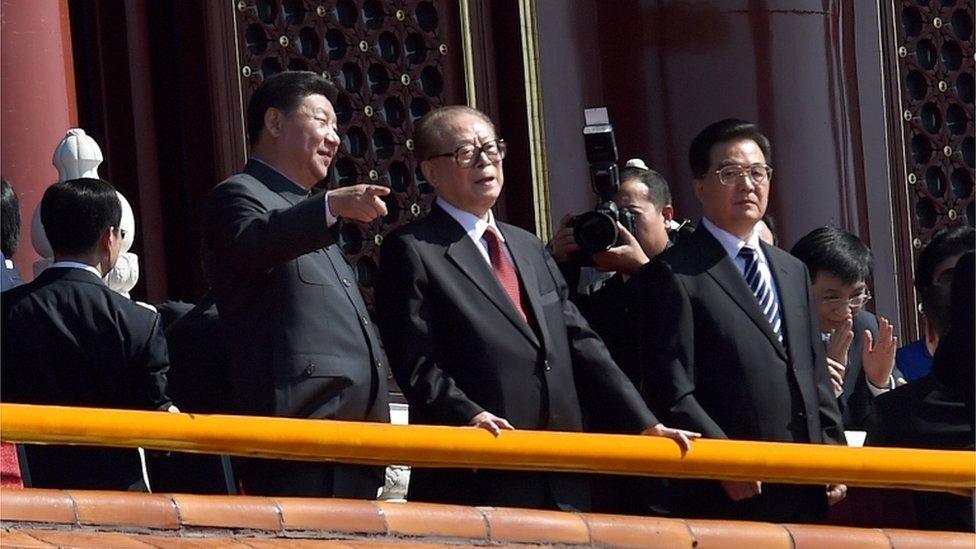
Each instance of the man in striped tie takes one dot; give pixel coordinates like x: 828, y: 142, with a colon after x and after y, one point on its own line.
x: 730, y: 345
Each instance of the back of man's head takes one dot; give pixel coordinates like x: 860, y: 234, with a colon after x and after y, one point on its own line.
x: 947, y: 243
x: 835, y: 252
x: 284, y: 91
x: 76, y: 213
x: 658, y: 191
x: 723, y: 131
x: 427, y: 131
x: 9, y: 218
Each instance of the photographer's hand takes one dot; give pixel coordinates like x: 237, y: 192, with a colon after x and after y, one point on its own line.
x: 564, y: 243
x: 627, y: 258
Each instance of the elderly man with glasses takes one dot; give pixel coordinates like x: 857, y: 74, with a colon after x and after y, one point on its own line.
x: 729, y: 339
x: 479, y: 328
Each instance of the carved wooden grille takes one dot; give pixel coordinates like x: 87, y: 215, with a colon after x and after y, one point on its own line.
x: 391, y: 61
x: 935, y: 39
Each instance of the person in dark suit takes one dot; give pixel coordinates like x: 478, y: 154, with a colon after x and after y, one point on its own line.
x: 730, y: 343
x: 860, y: 350
x: 300, y: 341
x: 479, y: 327
x: 67, y: 339
x: 936, y: 411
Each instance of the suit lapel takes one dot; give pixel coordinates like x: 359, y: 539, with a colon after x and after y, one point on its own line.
x: 793, y: 307
x: 521, y: 254
x: 464, y: 254
x: 724, y: 271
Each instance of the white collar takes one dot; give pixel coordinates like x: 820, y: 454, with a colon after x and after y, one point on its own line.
x: 731, y: 243
x: 472, y: 224
x: 75, y: 265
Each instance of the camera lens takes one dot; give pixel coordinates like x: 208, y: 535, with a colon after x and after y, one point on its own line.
x: 595, y: 231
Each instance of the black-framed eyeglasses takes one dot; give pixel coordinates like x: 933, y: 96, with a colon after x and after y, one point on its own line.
x: 731, y: 175
x: 854, y: 302
x: 467, y: 155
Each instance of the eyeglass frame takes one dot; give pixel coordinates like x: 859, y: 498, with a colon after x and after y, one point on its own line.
x: 478, y: 150
x: 744, y: 171
x: 836, y: 302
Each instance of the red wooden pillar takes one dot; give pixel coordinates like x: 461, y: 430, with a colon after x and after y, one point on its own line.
x: 38, y: 89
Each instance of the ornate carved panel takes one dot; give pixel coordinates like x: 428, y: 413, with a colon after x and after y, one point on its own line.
x: 935, y: 50
x: 392, y: 61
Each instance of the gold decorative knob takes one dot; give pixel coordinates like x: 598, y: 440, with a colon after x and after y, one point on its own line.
x: 378, y: 240
x: 368, y: 110
x: 374, y: 175
x: 400, y: 15
x: 320, y: 11
x: 947, y: 150
x: 363, y: 45
x: 242, y: 6
x: 415, y: 209
x: 327, y: 75
x: 952, y: 215
x: 916, y: 243
x: 912, y: 179
x: 443, y: 49
x: 246, y: 71
x: 937, y: 22
x: 943, y: 86
x: 902, y: 51
x: 405, y: 79
x: 907, y: 115
x: 283, y: 40
x: 409, y: 144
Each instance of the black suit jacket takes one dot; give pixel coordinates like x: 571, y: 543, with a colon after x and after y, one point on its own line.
x: 299, y: 339
x: 458, y: 347
x: 69, y: 340
x: 713, y: 364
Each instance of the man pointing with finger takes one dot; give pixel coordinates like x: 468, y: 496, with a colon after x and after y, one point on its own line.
x: 300, y: 342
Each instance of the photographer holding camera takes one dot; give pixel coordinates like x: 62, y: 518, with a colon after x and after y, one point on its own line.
x: 644, y: 200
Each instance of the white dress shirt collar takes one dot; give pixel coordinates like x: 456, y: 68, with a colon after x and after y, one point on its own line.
x: 731, y: 243
x: 472, y: 224
x: 75, y: 265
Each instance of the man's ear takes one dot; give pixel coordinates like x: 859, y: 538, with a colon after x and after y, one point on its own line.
x: 698, y: 185
x: 668, y: 212
x: 273, y: 119
x: 107, y: 239
x: 430, y: 172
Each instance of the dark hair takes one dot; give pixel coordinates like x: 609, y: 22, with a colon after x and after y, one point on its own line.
x: 657, y: 188
x: 946, y: 243
x: 836, y: 252
x: 723, y: 131
x: 9, y: 218
x: 284, y: 91
x: 77, y: 212
x: 427, y: 131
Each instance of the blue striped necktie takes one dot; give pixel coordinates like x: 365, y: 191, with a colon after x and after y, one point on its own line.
x: 756, y: 278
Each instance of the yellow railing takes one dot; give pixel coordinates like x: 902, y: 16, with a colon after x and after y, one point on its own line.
x: 431, y: 446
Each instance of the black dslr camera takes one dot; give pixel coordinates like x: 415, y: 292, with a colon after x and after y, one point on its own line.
x: 596, y: 231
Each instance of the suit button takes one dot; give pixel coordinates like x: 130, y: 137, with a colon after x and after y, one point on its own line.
x: 310, y: 369
x: 379, y: 363
x: 801, y: 414
x: 346, y: 283
x: 365, y: 320
x: 546, y: 366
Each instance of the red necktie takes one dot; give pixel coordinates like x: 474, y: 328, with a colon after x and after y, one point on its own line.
x: 504, y: 270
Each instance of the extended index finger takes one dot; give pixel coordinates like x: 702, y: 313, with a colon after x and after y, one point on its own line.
x: 377, y: 190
